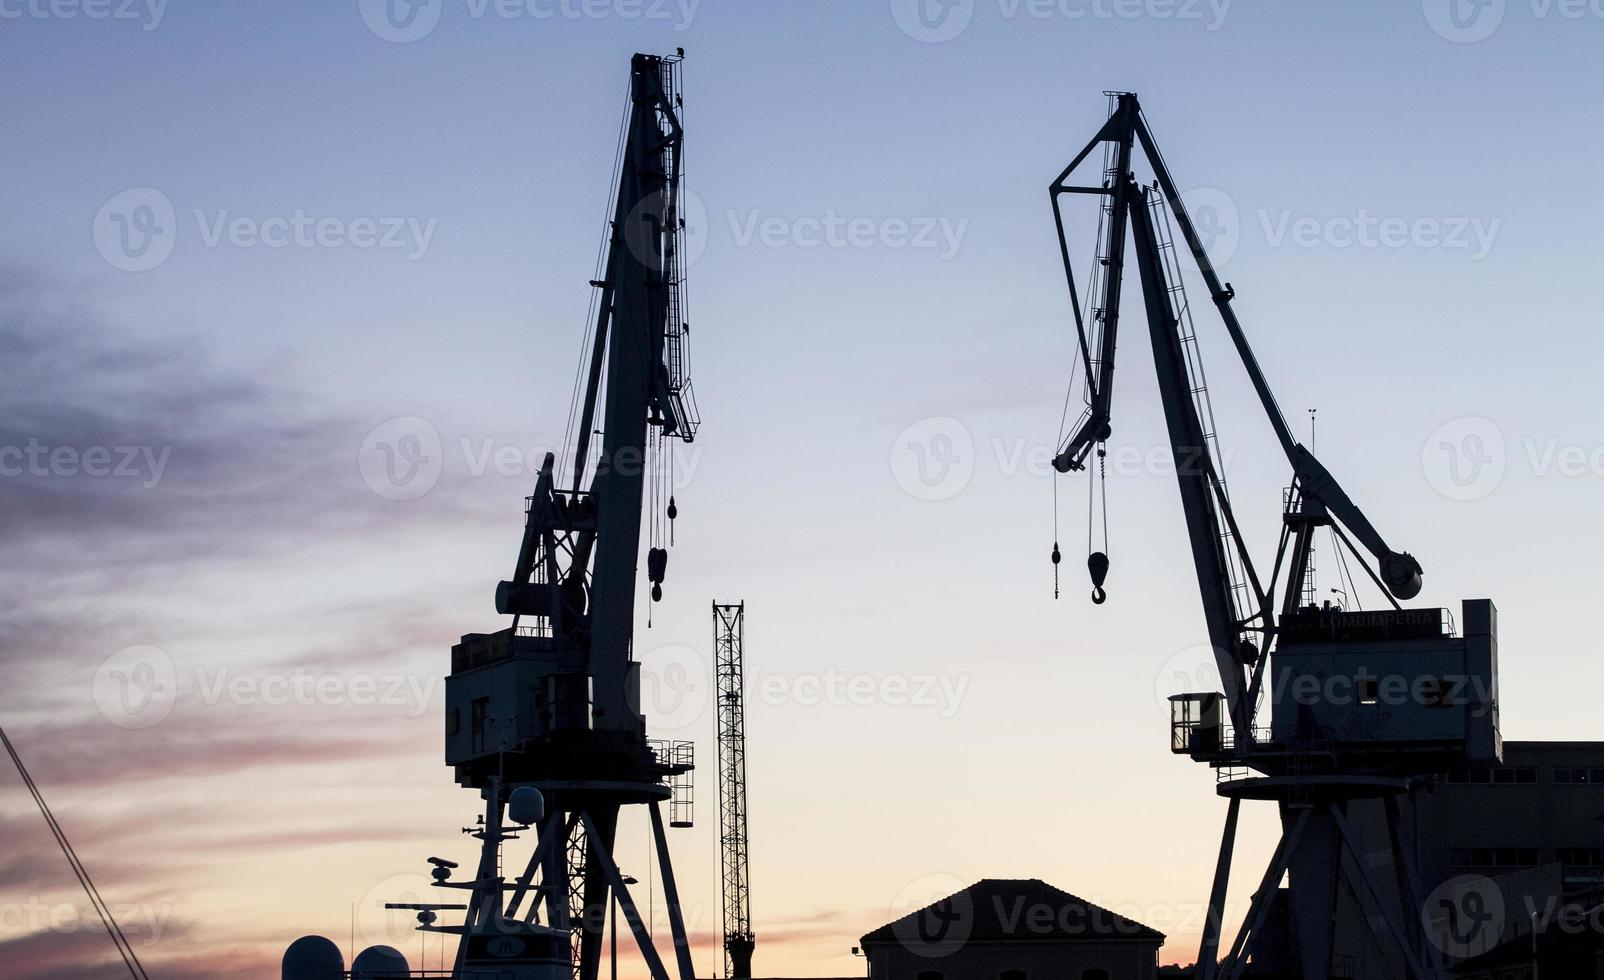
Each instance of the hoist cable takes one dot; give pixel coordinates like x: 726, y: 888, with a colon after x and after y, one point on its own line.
x: 574, y: 398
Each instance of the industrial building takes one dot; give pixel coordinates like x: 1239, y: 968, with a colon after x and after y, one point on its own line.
x: 1013, y: 929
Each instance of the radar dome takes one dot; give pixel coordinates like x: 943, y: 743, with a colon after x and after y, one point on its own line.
x: 313, y: 958
x: 379, y: 961
x: 526, y: 805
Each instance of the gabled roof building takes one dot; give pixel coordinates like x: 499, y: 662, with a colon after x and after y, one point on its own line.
x: 1013, y: 929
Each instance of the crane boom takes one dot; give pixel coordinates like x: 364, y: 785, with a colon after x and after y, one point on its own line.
x: 1238, y: 605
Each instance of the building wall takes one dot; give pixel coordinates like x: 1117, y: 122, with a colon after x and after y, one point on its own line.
x: 1530, y: 812
x: 1534, y: 826
x: 1038, y: 960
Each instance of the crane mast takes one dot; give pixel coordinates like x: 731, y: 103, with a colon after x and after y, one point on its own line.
x: 729, y: 647
x: 1325, y: 756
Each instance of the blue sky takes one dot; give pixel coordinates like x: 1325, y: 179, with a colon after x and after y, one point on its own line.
x: 1410, y: 218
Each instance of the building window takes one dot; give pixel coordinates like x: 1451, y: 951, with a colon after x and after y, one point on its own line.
x: 1581, y: 857
x: 481, y: 721
x: 1570, y: 776
x: 1369, y: 693
x: 1501, y: 776
x: 1495, y: 857
x: 1013, y: 975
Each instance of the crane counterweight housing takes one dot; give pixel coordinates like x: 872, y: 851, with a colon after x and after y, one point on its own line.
x: 1364, y: 706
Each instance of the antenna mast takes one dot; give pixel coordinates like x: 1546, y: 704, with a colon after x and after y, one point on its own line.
x: 729, y: 635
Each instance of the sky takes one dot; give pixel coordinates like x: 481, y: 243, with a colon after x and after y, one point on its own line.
x: 249, y: 244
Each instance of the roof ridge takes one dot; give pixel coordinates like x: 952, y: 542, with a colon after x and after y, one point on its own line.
x: 987, y: 920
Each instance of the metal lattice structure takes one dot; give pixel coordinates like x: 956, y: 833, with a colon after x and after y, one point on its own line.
x: 1324, y: 758
x: 729, y: 635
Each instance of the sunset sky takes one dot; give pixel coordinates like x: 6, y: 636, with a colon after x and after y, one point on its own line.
x: 358, y: 223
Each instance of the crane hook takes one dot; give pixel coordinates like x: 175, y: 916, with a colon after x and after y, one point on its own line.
x: 1097, y: 564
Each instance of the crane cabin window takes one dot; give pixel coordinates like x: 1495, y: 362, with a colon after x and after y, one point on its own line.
x: 481, y: 721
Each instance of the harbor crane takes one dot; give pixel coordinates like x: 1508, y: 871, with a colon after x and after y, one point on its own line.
x: 543, y: 717
x: 1327, y: 757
